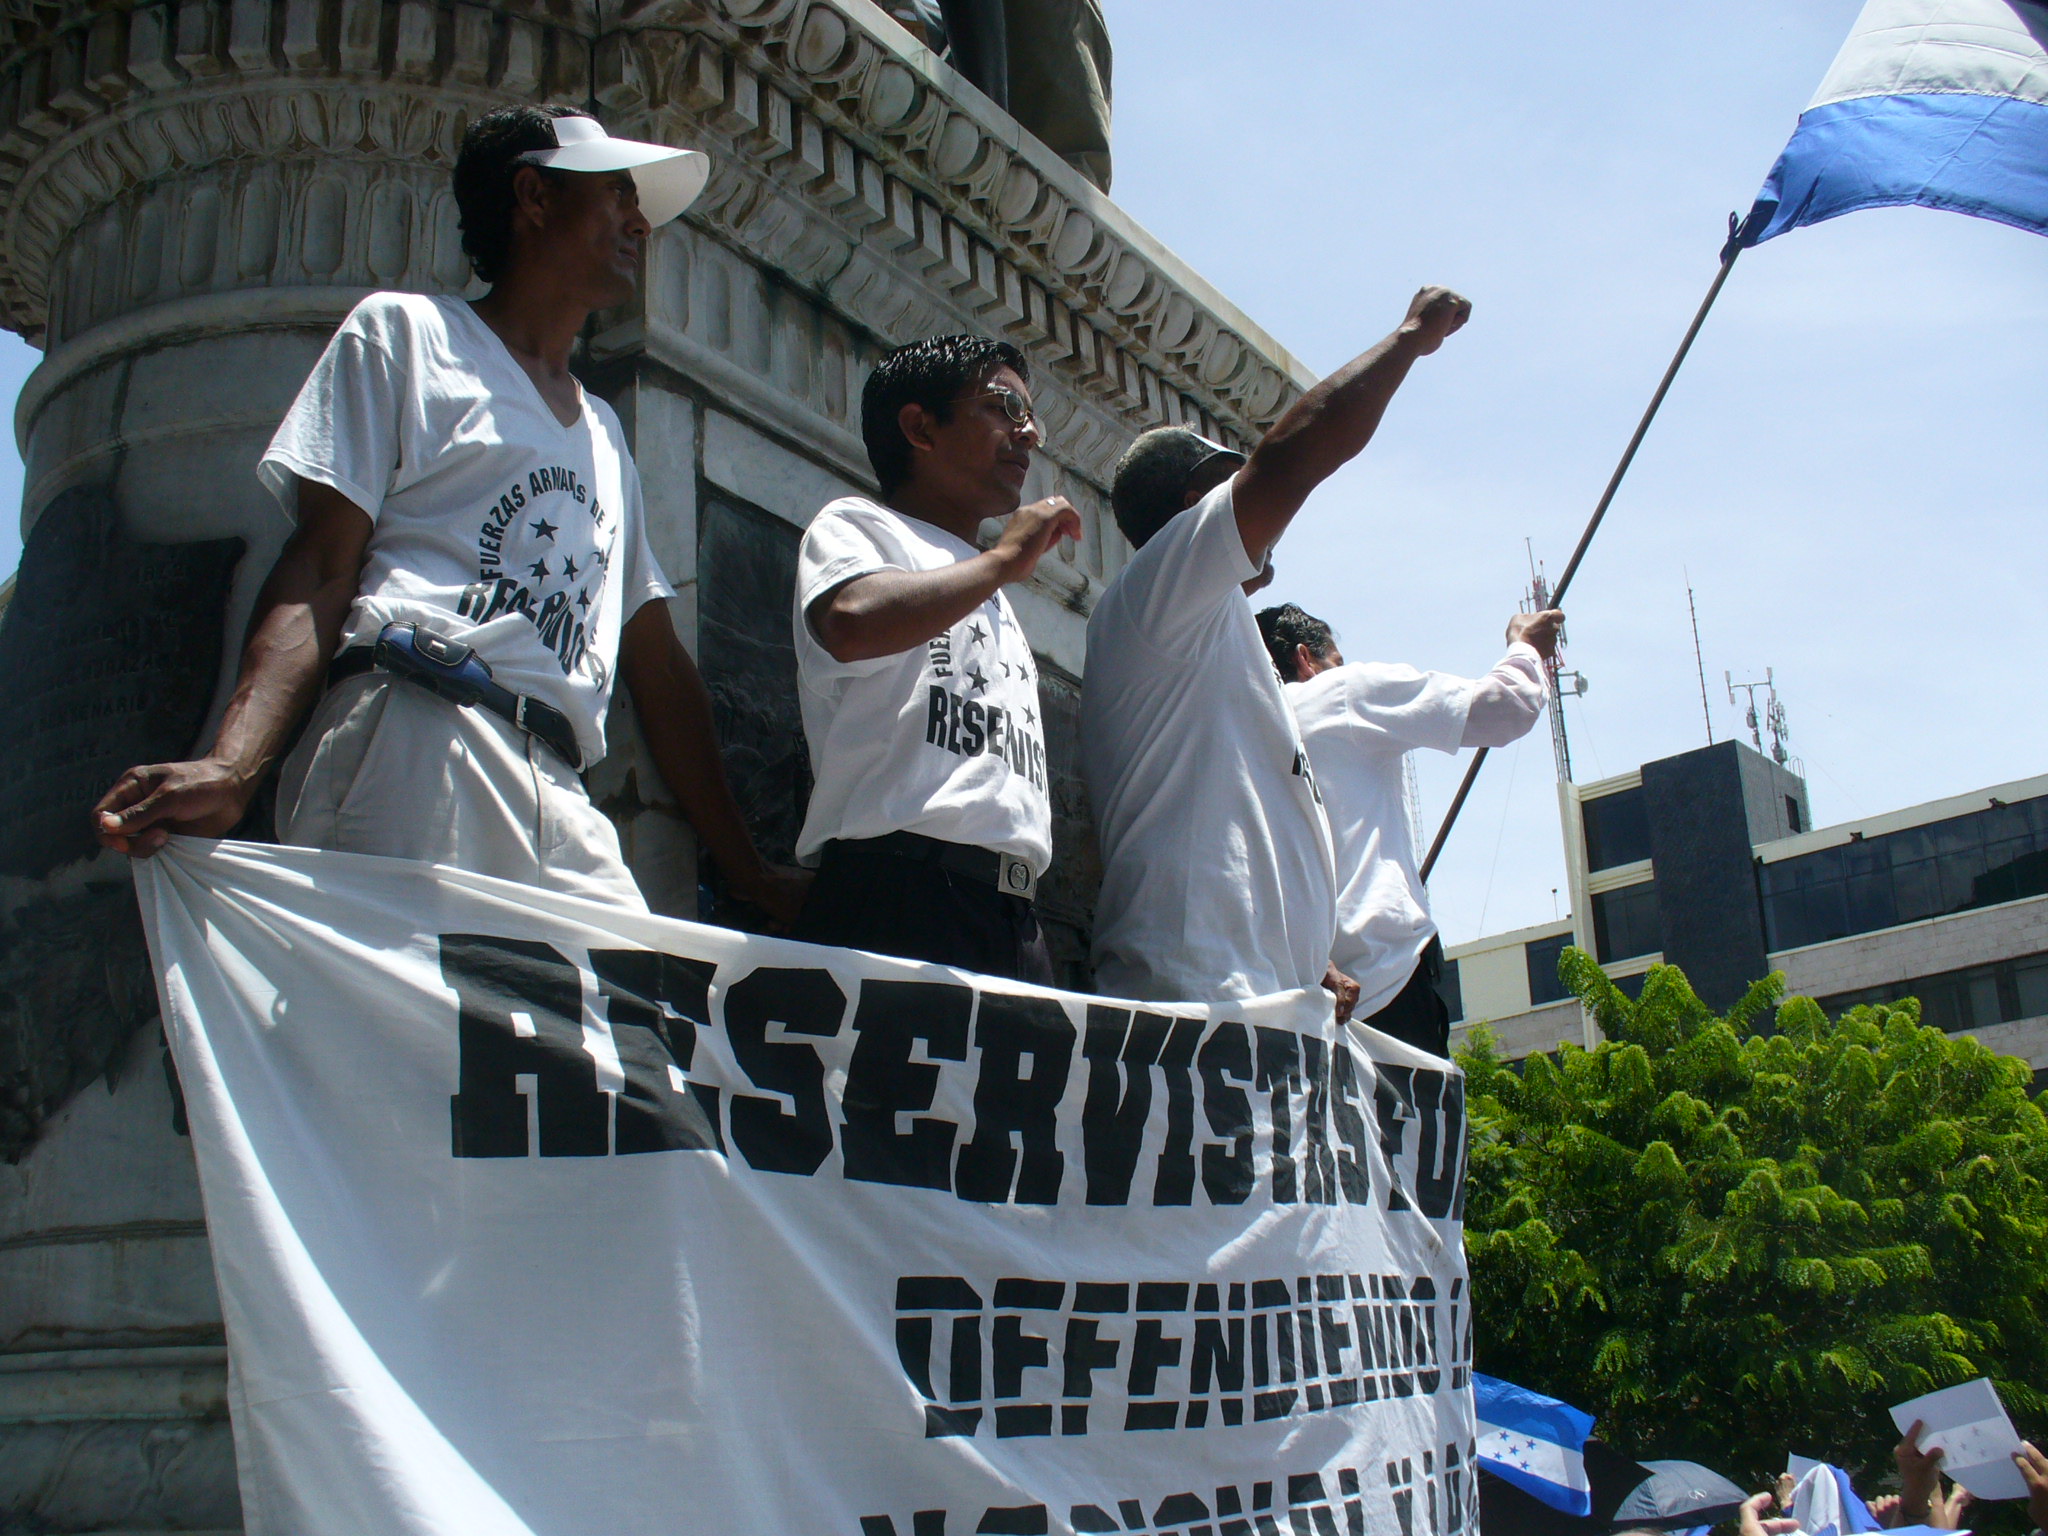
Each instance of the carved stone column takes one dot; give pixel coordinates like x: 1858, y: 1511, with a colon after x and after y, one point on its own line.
x: 192, y: 194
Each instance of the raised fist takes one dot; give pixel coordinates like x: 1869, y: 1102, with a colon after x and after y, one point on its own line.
x: 1433, y: 314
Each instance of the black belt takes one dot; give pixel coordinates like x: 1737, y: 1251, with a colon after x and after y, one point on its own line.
x: 1006, y: 872
x: 454, y: 673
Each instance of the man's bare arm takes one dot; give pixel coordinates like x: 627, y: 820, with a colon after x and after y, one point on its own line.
x: 888, y: 612
x: 674, y: 708
x: 1329, y: 426
x: 292, y: 634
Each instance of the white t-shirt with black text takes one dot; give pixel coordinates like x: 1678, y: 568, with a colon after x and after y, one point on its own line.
x: 946, y: 739
x: 1218, y: 880
x: 493, y: 521
x: 1359, y: 721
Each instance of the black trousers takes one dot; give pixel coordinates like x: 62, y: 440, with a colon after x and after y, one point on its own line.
x: 891, y: 905
x: 1418, y: 1016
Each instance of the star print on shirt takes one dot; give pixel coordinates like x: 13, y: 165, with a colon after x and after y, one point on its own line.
x: 977, y: 636
x: 980, y: 682
x: 539, y: 568
x: 1030, y: 715
x: 583, y: 598
x: 544, y: 530
x: 569, y: 569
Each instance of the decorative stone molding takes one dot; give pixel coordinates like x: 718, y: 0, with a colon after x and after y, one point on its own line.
x: 849, y: 160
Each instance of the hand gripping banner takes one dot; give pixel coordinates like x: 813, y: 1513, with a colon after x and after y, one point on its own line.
x: 536, y: 1218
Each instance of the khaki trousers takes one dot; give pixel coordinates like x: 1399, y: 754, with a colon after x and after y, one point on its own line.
x: 387, y: 768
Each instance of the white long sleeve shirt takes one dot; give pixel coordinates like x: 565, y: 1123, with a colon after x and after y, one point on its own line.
x: 1358, y: 722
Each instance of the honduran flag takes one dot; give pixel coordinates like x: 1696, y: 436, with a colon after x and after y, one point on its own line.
x: 1535, y: 1442
x: 1943, y: 103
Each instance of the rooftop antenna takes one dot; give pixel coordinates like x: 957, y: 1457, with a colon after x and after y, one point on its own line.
x: 1698, y: 661
x: 1771, y: 718
x: 1561, y: 681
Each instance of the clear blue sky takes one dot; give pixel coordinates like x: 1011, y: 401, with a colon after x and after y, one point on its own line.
x: 1847, y: 469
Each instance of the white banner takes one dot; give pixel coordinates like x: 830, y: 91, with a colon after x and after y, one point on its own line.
x: 533, y: 1216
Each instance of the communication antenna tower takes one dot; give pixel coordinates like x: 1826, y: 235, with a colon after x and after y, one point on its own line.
x: 1562, y: 682
x: 1698, y: 661
x: 1770, y: 718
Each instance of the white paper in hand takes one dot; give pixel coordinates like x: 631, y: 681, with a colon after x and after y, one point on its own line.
x: 1968, y: 1424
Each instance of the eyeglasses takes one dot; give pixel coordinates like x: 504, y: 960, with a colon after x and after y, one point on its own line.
x: 1015, y: 406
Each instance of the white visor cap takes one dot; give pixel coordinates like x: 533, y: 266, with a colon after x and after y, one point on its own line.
x: 668, y: 180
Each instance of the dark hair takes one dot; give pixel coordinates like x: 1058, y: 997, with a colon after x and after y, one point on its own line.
x: 1151, y: 479
x: 932, y: 373
x: 1284, y: 628
x: 491, y: 147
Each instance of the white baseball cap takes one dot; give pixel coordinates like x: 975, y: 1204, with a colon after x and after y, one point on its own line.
x: 668, y: 180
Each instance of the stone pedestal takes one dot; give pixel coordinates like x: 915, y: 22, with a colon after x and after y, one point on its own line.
x: 192, y: 194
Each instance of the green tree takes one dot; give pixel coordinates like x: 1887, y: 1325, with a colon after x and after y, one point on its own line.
x: 1733, y: 1235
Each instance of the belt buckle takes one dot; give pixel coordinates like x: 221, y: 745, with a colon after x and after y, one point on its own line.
x: 1014, y: 877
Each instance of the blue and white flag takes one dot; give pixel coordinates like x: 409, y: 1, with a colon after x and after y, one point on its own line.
x: 1535, y: 1442
x: 1940, y: 103
x: 1825, y: 1504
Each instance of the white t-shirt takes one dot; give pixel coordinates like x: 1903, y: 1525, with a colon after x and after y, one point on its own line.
x: 1358, y: 722
x: 1217, y: 874
x: 493, y: 521
x: 946, y: 739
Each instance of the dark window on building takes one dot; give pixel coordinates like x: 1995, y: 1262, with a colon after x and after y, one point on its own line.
x: 1541, y: 956
x: 1632, y: 986
x: 1973, y: 998
x: 1617, y: 829
x: 1448, y: 989
x: 1625, y: 923
x: 1792, y: 815
x: 1978, y: 860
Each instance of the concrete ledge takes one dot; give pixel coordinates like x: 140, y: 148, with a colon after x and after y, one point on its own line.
x: 105, y: 1385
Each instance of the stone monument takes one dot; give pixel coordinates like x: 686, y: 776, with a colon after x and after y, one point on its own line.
x: 192, y: 194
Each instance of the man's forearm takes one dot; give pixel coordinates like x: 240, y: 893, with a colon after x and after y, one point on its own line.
x: 888, y: 612
x: 291, y: 640
x: 1330, y: 425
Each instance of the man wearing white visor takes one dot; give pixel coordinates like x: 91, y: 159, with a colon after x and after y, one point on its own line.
x: 468, y: 570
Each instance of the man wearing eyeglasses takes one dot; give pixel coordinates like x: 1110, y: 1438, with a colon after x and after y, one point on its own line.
x: 930, y: 822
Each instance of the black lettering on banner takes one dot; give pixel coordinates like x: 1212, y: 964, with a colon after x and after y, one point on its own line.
x: 1354, y: 1160
x: 655, y: 1004
x: 1120, y: 1047
x: 1152, y: 1349
x: 1329, y: 1501
x: 1013, y: 1352
x: 803, y: 1002
x: 942, y: 1294
x: 1318, y: 1166
x: 1279, y: 1074
x: 1396, y: 1108
x: 1440, y: 1148
x: 1227, y: 1167
x: 883, y: 1082
x: 1219, y: 1357
x: 1016, y: 1113
x: 520, y: 1032
x: 1087, y: 1351
x: 1175, y: 1182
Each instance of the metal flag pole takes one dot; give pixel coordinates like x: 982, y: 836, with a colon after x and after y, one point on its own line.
x: 1599, y: 512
